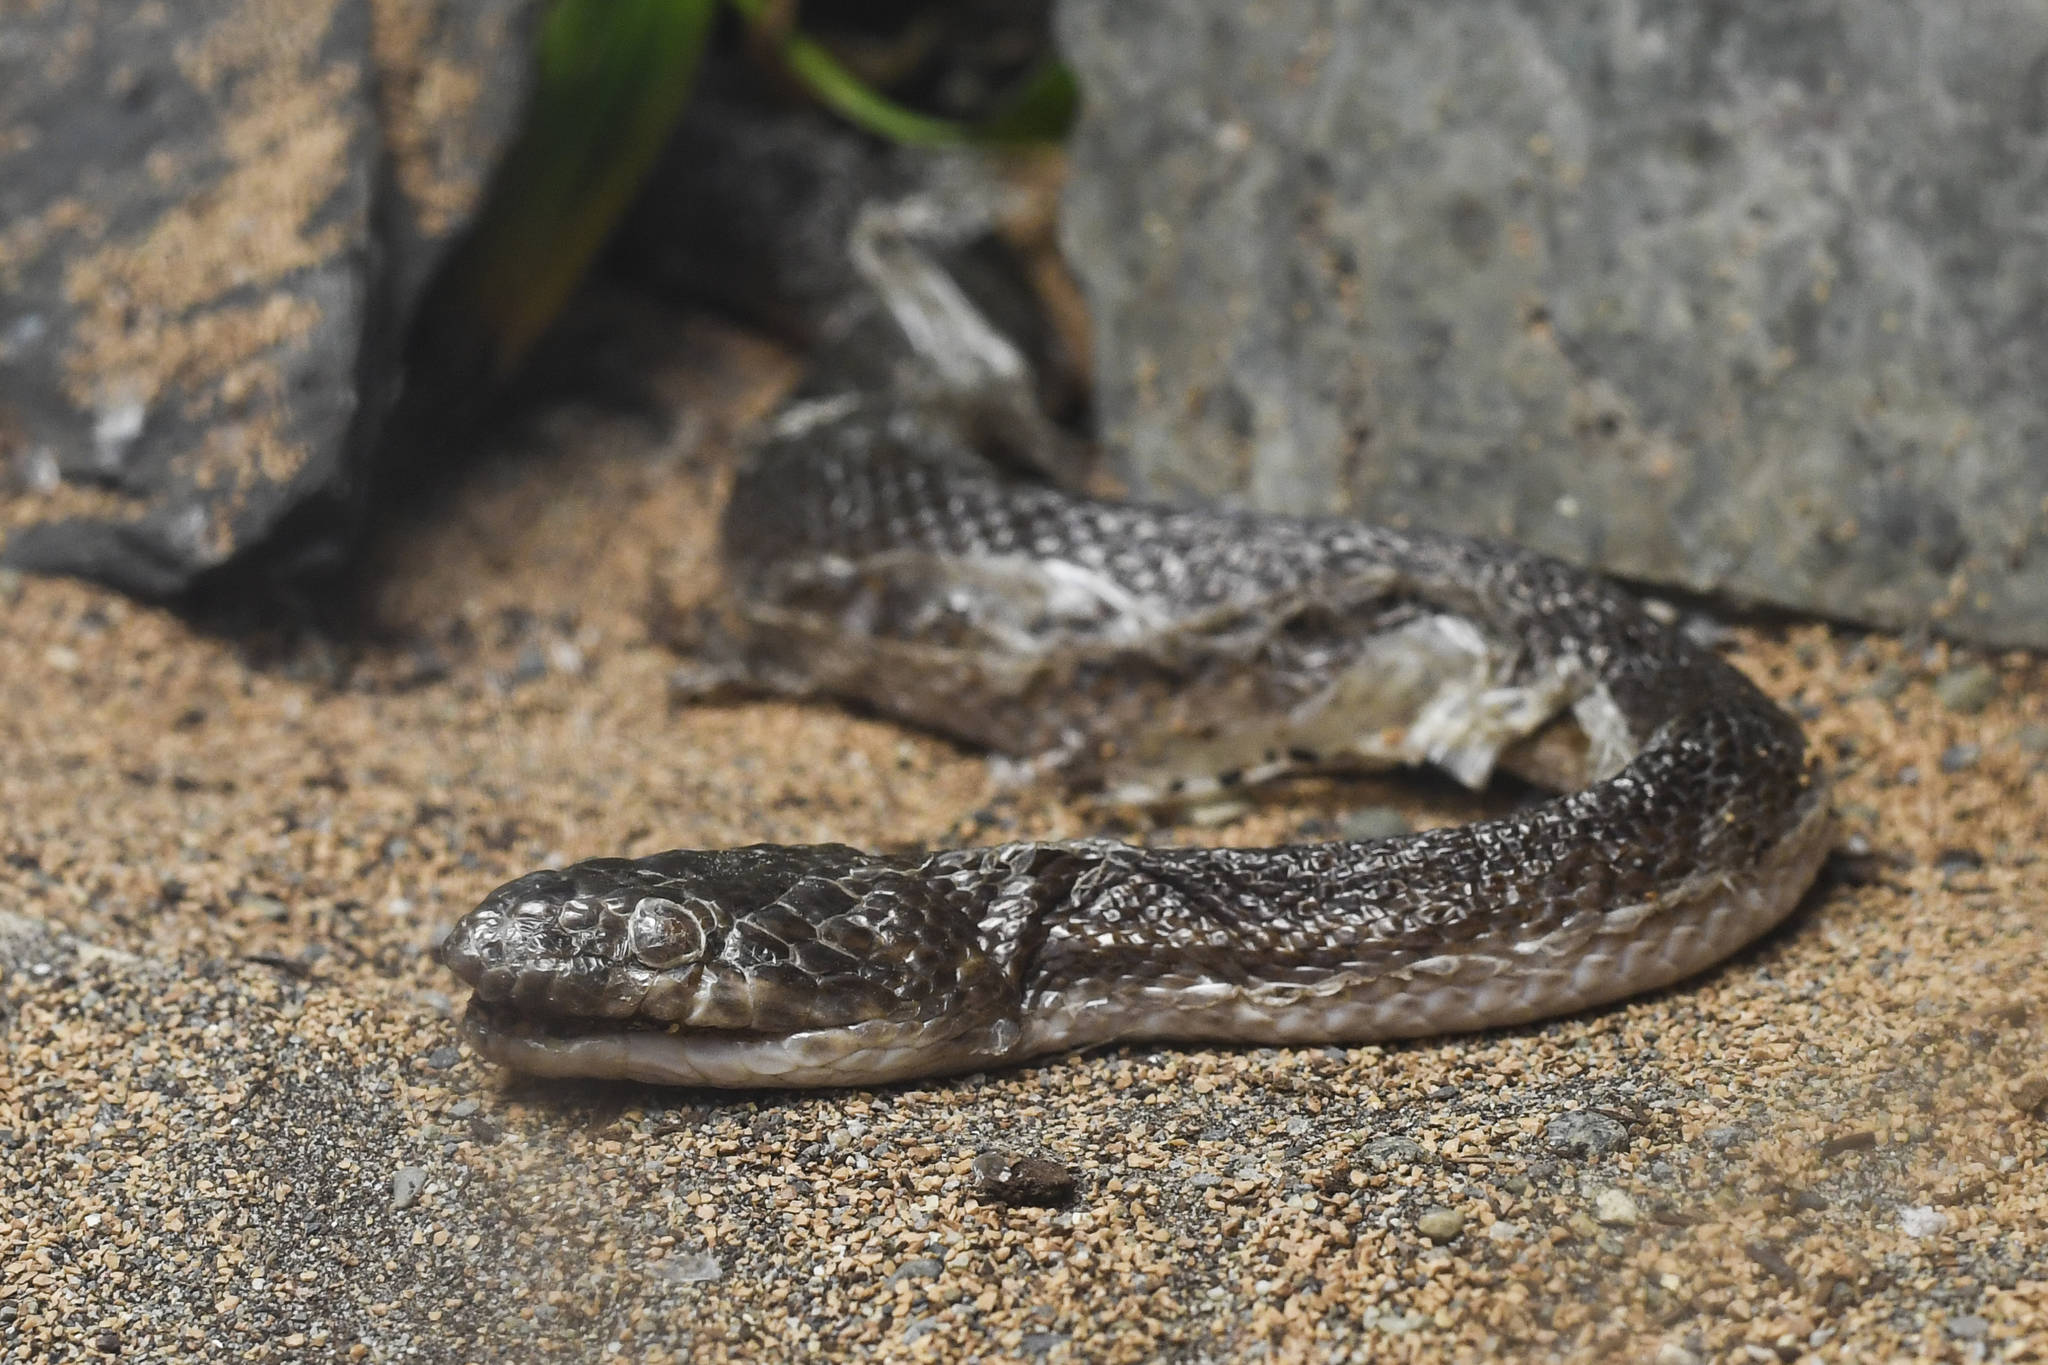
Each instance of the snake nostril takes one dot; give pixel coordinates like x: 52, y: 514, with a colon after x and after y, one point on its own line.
x: 466, y: 950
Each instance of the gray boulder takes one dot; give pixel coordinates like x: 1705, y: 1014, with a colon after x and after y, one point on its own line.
x: 213, y: 219
x: 1747, y: 298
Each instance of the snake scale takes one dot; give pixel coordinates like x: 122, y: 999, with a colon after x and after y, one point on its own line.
x: 1158, y: 653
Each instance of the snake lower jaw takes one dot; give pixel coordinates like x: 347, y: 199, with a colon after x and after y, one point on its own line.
x: 874, y: 1052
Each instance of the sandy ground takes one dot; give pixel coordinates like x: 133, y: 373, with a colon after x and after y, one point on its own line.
x: 235, y: 1122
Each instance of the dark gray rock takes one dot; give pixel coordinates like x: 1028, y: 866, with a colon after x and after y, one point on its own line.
x: 1019, y: 1178
x: 1392, y: 1150
x: 918, y: 1268
x: 201, y: 275
x: 1727, y: 1137
x: 1743, y: 298
x: 1585, y: 1134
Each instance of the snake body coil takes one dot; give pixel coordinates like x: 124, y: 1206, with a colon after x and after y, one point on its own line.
x: 1149, y: 652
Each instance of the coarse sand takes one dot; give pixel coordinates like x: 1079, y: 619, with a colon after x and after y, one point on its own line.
x: 236, y: 1124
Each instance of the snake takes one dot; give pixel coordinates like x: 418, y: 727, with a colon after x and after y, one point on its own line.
x: 1157, y: 654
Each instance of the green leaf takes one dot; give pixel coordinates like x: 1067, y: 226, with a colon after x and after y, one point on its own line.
x: 611, y: 78
x: 1039, y: 111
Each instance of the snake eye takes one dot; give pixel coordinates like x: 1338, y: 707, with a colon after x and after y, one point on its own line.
x: 663, y: 933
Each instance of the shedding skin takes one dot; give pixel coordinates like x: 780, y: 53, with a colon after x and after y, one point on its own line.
x: 1155, y: 652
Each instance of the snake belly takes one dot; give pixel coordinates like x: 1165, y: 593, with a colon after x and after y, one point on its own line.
x: 1157, y: 652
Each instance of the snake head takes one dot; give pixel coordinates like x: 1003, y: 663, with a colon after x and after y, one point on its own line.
x: 750, y: 966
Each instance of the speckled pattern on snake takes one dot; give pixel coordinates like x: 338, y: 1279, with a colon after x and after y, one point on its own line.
x: 1147, y: 652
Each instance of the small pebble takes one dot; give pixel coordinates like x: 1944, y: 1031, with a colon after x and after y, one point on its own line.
x: 1014, y: 1178
x: 1968, y: 1327
x: 918, y: 1268
x: 1890, y: 681
x: 1960, y: 757
x: 1374, y: 822
x: 1773, y: 1260
x: 1392, y: 1150
x: 692, y: 1267
x: 1922, y: 1220
x: 1968, y: 690
x: 406, y: 1184
x: 1853, y: 1140
x: 2032, y: 738
x: 1210, y: 814
x: 1728, y: 1136
x: 1441, y: 1225
x: 443, y: 1057
x: 531, y: 666
x: 1950, y: 861
x: 1671, y: 1353
x: 269, y: 907
x: 1585, y: 1134
x: 1615, y: 1209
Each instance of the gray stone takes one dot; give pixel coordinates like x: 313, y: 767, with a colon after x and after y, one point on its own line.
x: 1615, y: 1209
x: 406, y: 1184
x: 1739, y: 298
x: 1891, y: 681
x: 1375, y: 822
x: 1392, y: 1150
x: 1958, y: 758
x: 692, y: 1267
x: 1441, y: 1225
x: 1729, y: 1136
x: 214, y: 216
x: 1585, y: 1134
x: 918, y: 1268
x: 1967, y: 690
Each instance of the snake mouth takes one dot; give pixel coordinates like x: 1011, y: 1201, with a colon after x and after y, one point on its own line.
x: 869, y: 1053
